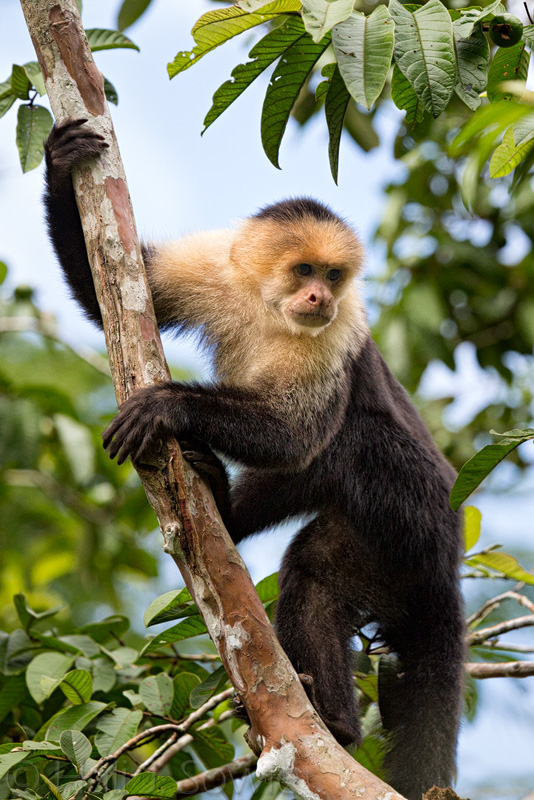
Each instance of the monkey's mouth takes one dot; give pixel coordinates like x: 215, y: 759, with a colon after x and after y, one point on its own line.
x: 311, y: 319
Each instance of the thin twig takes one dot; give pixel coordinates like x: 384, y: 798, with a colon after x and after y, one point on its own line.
x: 183, y: 742
x: 528, y: 13
x: 161, y: 752
x: 487, y: 607
x: 477, y: 637
x: 495, y: 644
x: 509, y: 669
x: 216, y: 777
x: 130, y: 745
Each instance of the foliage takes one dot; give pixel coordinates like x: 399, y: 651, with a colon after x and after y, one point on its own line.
x: 26, y: 83
x: 72, y: 523
x: 91, y: 711
x: 452, y: 278
x: 435, y: 52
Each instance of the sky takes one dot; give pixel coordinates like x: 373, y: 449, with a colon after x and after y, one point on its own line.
x: 179, y: 182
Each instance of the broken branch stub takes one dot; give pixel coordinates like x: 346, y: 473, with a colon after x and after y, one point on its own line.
x: 295, y: 746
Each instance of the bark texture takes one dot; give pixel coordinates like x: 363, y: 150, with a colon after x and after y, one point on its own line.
x: 294, y: 745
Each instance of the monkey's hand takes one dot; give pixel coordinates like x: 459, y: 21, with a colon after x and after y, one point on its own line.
x: 146, y: 418
x: 68, y: 144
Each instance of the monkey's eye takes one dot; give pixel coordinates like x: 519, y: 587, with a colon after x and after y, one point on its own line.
x: 304, y: 269
x: 333, y: 274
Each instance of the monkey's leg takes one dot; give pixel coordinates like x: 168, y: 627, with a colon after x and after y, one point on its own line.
x: 313, y: 622
x: 421, y: 706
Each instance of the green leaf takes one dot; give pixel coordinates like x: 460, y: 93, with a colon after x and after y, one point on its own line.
x: 472, y: 520
x: 370, y: 754
x: 369, y: 685
x: 481, y: 464
x: 472, y: 61
x: 157, y: 692
x: 186, y: 629
x: 109, y: 628
x: 335, y: 107
x: 320, y: 16
x: 217, y: 27
x: 52, y: 788
x: 115, y: 729
x: 268, y: 588
x: 364, y: 47
x: 168, y: 606
x: 502, y: 562
x: 76, y: 747
x: 149, y: 785
x: 34, y: 123
x: 508, y: 155
x: 321, y: 90
x: 53, y: 666
x: 27, y: 615
x: 78, y: 446
x: 6, y: 101
x: 528, y: 35
x: 70, y: 790
x: 471, y: 16
x: 77, y: 686
x: 20, y: 83
x: 122, y: 656
x: 41, y: 746
x: 33, y: 71
x: 110, y: 92
x: 524, y: 130
x: 116, y: 794
x: 184, y: 683
x: 263, y: 54
x: 486, y: 124
x: 284, y: 87
x: 11, y: 693
x: 405, y: 98
x: 104, y: 39
x: 212, y: 685
x: 212, y: 747
x: 509, y: 64
x: 75, y: 718
x: 424, y: 51
x: 6, y: 88
x: 9, y: 760
x: 130, y: 11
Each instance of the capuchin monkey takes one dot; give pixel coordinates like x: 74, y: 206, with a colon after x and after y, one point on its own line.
x: 305, y: 404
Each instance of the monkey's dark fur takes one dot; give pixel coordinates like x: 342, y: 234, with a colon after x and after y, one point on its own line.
x: 345, y: 444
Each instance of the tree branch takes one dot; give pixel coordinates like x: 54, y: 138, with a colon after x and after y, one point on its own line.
x: 296, y: 749
x: 494, y: 602
x: 509, y: 669
x: 216, y: 777
x: 477, y: 637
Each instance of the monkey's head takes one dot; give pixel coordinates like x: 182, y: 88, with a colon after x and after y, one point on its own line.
x: 301, y: 259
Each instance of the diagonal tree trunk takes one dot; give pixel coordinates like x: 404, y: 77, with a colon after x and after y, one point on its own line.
x: 294, y: 746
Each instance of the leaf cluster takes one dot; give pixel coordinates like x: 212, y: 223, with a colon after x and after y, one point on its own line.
x: 26, y: 83
x: 424, y: 54
x: 74, y: 526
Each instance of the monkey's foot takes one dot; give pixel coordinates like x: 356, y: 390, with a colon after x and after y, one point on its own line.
x: 240, y: 712
x: 345, y: 732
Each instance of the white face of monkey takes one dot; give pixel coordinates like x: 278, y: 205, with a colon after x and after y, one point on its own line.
x: 308, y: 296
x: 301, y: 269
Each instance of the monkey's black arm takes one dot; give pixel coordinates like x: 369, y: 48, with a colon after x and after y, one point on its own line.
x: 239, y: 423
x: 63, y: 217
